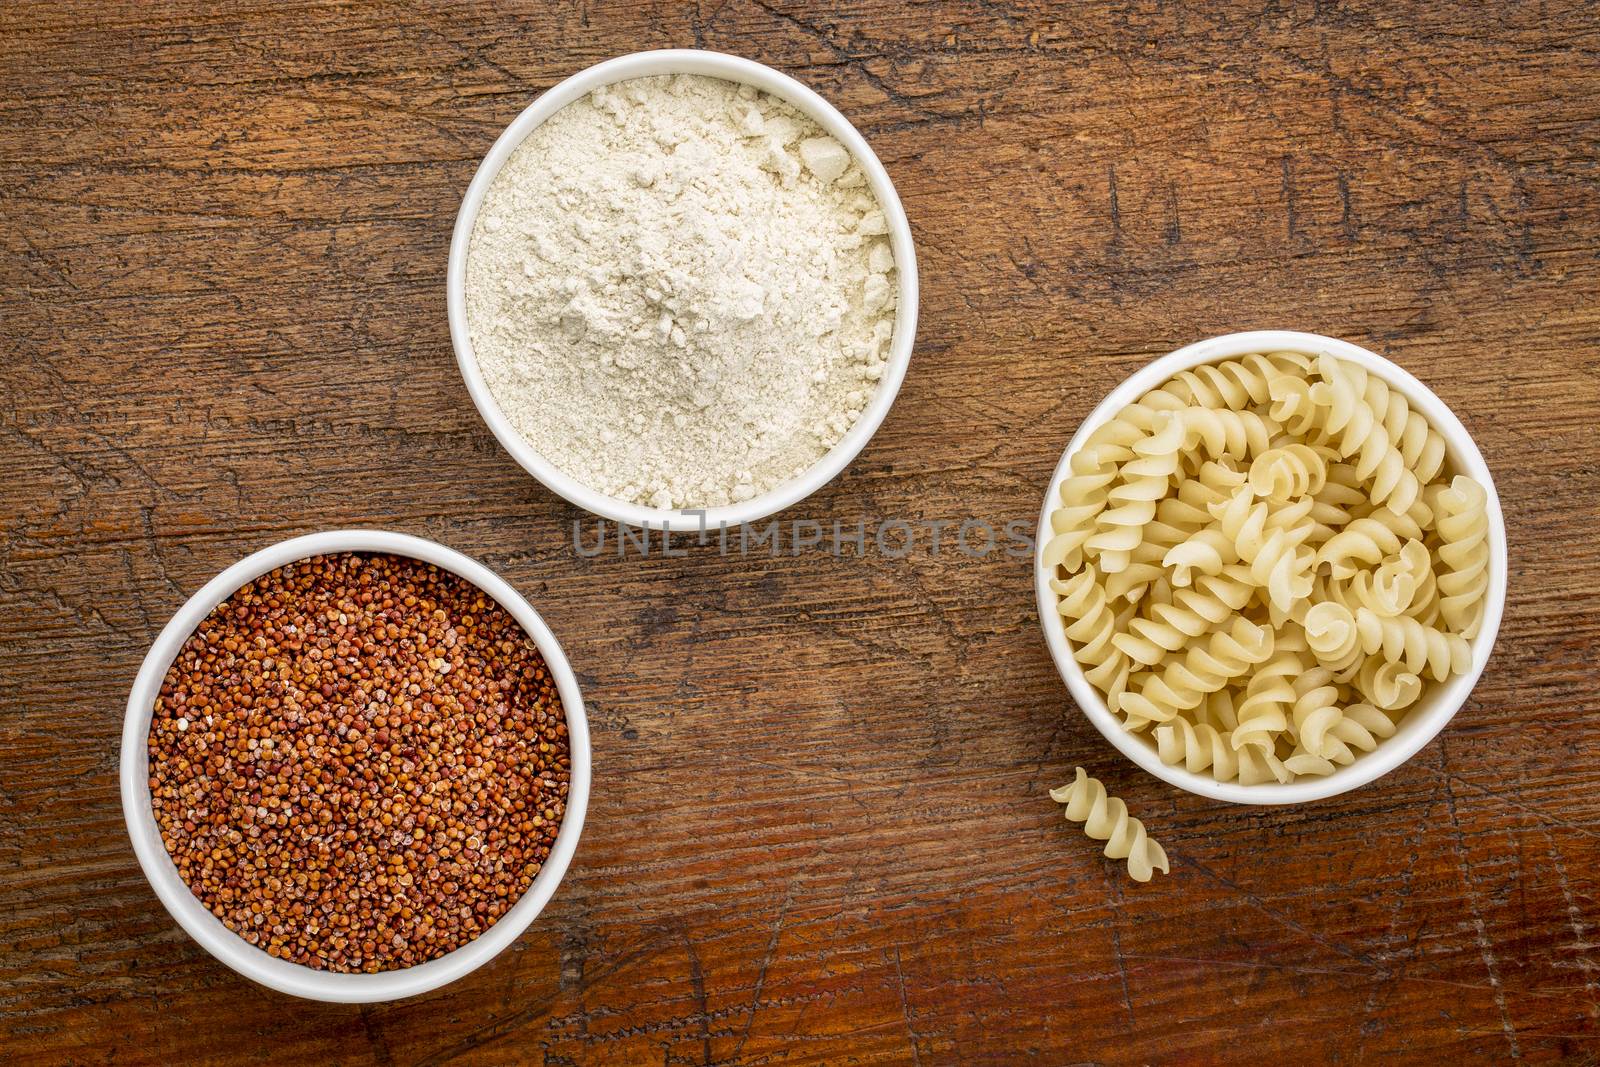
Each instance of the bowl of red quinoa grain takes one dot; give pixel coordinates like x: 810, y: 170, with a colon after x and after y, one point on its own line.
x: 355, y: 766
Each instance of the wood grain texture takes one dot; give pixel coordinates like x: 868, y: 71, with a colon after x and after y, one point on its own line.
x: 819, y: 831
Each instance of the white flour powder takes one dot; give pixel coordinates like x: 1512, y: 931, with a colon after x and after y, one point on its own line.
x: 680, y: 291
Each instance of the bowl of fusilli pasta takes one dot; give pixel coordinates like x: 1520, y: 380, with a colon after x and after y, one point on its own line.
x: 1271, y: 567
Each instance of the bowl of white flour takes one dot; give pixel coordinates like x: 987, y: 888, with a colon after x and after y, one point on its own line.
x: 682, y: 290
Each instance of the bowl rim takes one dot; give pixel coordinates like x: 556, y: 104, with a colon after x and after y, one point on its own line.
x: 1424, y: 723
x: 254, y: 963
x: 729, y: 68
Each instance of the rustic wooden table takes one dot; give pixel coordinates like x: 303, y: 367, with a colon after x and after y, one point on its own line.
x: 819, y: 831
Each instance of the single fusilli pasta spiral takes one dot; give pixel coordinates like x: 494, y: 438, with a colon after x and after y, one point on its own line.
x: 1183, y: 614
x: 1365, y: 542
x: 1315, y: 710
x: 1463, y: 524
x: 1093, y: 626
x: 1268, y: 697
x: 1420, y: 446
x: 1330, y: 741
x: 1083, y: 496
x: 1226, y: 655
x: 1105, y: 818
x: 1405, y: 640
x: 1237, y: 383
x: 1357, y: 431
x: 1132, y: 501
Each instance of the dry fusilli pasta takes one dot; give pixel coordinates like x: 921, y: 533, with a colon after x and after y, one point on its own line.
x: 1264, y: 562
x: 1105, y: 818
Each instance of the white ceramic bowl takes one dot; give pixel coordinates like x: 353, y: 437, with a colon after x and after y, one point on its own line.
x: 729, y: 68
x: 1440, y: 701
x: 205, y: 927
